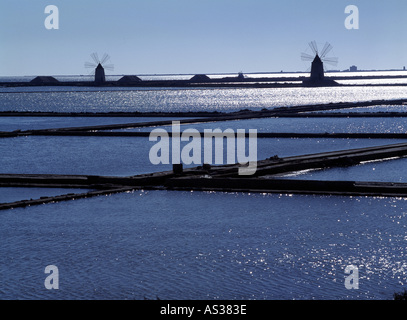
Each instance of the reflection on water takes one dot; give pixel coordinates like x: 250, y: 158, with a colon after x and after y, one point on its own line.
x: 18, y: 194
x: 381, y: 108
x: 300, y: 125
x: 174, y: 246
x: 126, y: 156
x: 168, y: 100
x: 36, y: 123
x: 389, y: 170
x: 198, y: 245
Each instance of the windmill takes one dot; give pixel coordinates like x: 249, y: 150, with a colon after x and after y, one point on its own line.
x: 99, y: 67
x: 318, y: 59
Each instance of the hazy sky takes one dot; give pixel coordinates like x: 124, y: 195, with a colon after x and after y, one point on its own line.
x: 191, y: 36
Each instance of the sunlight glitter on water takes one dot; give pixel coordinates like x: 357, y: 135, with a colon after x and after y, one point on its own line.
x: 201, y: 245
x: 246, y: 248
x: 219, y: 99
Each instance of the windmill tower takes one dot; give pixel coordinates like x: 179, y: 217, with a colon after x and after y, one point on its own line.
x: 99, y: 67
x: 100, y: 74
x: 318, y: 59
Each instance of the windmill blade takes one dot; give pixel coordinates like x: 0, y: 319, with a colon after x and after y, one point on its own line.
x: 109, y: 67
x: 327, y: 48
x: 331, y: 61
x: 314, y: 47
x: 104, y: 58
x: 90, y: 65
x: 97, y: 61
x: 95, y: 58
x: 306, y: 57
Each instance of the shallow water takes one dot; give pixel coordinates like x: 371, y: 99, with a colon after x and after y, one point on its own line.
x: 36, y: 123
x: 17, y: 194
x: 172, y: 100
x: 125, y: 156
x: 198, y: 245
x: 299, y: 125
x: 175, y: 246
x: 388, y: 170
x: 380, y: 108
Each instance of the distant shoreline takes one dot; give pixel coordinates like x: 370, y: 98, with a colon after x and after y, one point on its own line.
x: 229, y: 82
x: 214, y: 80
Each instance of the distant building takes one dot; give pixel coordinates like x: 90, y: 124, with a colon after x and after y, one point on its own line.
x: 353, y: 69
x: 200, y: 78
x: 44, y: 80
x: 129, y: 79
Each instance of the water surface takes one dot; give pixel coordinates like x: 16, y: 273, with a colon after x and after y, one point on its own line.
x: 175, y: 100
x: 183, y: 245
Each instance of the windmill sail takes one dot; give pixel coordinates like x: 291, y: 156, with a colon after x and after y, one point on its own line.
x: 327, y: 48
x: 99, y: 66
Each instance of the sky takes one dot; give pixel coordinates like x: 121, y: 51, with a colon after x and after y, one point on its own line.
x: 191, y: 36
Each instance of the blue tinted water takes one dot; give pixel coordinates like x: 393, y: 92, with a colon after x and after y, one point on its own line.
x: 167, y: 100
x: 198, y: 245
x: 391, y: 170
x: 183, y: 245
x: 299, y: 125
x: 125, y: 156
x: 381, y: 108
x: 17, y: 194
x: 36, y: 123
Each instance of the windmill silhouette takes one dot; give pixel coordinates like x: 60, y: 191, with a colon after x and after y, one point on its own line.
x: 318, y: 59
x: 99, y: 66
